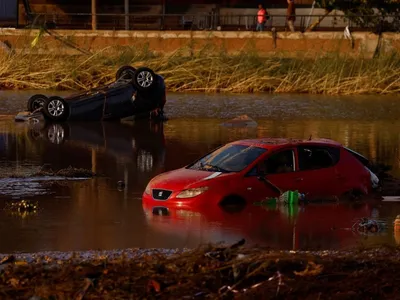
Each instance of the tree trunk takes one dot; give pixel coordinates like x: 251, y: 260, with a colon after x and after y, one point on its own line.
x: 317, y: 21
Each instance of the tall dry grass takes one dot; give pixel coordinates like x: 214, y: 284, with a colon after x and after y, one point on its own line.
x: 208, y: 70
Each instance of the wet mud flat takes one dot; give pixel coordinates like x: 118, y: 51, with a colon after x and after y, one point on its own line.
x: 209, y: 272
x: 31, y: 183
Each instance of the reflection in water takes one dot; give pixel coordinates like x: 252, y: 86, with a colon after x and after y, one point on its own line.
x: 278, y: 226
x: 95, y: 214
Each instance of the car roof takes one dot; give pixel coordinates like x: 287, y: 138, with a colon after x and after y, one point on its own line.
x: 270, y: 143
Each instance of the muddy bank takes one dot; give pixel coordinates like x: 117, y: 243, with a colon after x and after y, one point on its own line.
x: 30, y: 183
x: 46, y: 171
x: 209, y: 272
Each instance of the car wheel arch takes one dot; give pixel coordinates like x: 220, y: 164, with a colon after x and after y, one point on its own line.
x: 354, y: 193
x: 232, y: 199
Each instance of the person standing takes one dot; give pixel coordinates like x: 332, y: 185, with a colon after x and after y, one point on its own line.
x: 291, y: 14
x: 261, y: 18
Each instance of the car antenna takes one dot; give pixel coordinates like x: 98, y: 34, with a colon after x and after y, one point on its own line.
x: 310, y: 137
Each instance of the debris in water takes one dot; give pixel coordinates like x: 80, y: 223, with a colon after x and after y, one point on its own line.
x: 21, y: 208
x: 120, y: 185
x: 397, y: 223
x: 365, y: 226
x: 240, y: 121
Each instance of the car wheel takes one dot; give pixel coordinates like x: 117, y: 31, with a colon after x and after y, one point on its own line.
x: 144, y: 79
x: 35, y: 102
x: 56, y: 109
x: 56, y: 133
x: 125, y: 73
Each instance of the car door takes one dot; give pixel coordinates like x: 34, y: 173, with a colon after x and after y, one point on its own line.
x: 317, y: 170
x: 279, y: 169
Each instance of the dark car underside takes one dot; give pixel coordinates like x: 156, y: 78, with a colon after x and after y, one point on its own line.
x: 134, y: 92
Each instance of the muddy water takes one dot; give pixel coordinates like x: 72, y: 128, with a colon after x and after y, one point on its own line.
x: 98, y: 214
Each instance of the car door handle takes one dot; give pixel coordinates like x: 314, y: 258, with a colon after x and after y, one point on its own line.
x: 299, y: 179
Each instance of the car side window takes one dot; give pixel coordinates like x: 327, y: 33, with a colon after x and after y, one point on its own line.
x: 316, y: 157
x: 280, y: 162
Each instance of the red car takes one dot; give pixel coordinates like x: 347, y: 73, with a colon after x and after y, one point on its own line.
x: 253, y: 170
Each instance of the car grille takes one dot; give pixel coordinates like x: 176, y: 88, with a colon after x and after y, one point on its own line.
x: 161, y: 194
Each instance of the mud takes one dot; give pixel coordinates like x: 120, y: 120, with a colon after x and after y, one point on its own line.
x: 45, y: 172
x: 215, y: 271
x: 30, y: 183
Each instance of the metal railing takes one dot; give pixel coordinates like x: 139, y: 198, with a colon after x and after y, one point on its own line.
x: 210, y: 21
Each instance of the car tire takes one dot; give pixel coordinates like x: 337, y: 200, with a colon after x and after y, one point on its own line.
x: 56, y: 109
x: 35, y: 102
x: 125, y: 73
x: 57, y: 133
x: 144, y: 79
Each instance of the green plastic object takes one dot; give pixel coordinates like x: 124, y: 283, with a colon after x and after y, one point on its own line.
x: 290, y: 197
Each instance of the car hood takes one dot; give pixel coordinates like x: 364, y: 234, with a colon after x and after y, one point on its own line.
x: 184, y: 178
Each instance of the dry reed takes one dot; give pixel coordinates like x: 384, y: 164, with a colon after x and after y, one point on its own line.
x: 207, y: 70
x: 208, y: 273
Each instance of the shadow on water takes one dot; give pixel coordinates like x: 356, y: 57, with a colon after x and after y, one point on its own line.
x: 97, y: 214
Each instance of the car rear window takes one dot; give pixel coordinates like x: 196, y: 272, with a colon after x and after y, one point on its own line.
x: 358, y: 156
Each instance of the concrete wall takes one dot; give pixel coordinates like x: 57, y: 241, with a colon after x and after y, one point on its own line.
x: 231, y: 42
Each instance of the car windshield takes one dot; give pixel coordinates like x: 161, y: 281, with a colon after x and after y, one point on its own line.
x: 229, y: 158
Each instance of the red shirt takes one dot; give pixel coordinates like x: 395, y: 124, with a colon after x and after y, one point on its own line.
x: 261, y: 15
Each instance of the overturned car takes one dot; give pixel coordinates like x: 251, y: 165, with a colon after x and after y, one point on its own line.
x: 134, y: 92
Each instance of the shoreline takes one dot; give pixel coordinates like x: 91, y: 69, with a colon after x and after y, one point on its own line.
x: 86, y: 255
x: 211, y: 271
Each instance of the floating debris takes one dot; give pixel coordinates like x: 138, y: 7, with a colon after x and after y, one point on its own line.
x: 240, y: 121
x: 120, y: 185
x: 365, y: 226
x: 21, y: 208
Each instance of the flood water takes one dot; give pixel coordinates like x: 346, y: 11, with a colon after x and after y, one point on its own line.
x: 97, y: 214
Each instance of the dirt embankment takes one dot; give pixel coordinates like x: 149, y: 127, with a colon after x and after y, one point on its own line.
x: 210, y: 272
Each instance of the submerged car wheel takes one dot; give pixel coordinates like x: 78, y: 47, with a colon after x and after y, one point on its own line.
x: 56, y: 108
x: 144, y: 79
x: 35, y: 102
x: 125, y: 73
